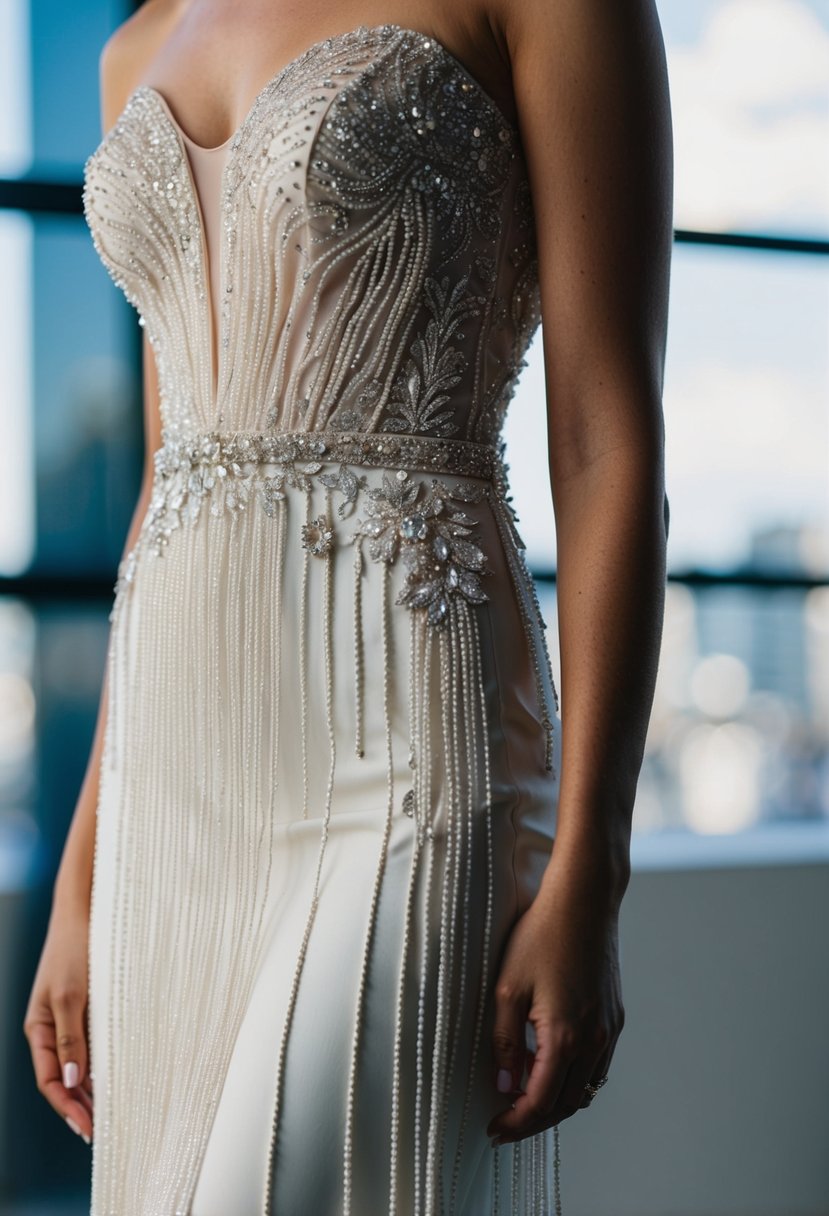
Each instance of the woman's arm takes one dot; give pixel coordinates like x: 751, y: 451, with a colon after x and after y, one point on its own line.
x: 591, y: 89
x: 592, y: 92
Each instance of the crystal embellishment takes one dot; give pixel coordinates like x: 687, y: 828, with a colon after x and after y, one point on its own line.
x: 431, y: 541
x: 423, y: 524
x: 317, y: 535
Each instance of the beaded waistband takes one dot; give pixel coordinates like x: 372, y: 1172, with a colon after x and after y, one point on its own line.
x: 380, y: 450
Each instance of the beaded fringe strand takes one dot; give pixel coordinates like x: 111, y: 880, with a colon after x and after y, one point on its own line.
x: 212, y: 936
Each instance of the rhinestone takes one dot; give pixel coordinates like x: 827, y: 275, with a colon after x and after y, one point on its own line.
x: 414, y: 527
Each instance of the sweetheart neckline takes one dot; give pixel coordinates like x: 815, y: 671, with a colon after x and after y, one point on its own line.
x: 390, y: 26
x: 235, y: 139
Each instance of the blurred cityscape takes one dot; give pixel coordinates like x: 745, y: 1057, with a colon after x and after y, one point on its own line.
x: 739, y: 733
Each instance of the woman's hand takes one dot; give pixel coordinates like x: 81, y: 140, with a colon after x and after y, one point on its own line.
x: 56, y: 1022
x: 561, y: 973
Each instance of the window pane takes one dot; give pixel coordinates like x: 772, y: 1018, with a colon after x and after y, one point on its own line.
x: 75, y: 446
x: 746, y: 390
x: 739, y: 733
x: 749, y: 86
x: 17, y: 496
x: 19, y: 833
x: 49, y: 90
x: 746, y: 420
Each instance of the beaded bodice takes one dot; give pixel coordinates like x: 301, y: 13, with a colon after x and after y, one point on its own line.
x: 376, y: 270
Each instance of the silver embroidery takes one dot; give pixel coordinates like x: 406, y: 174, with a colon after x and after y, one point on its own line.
x: 423, y: 526
x: 409, y: 166
x: 429, y: 534
x: 423, y: 386
x: 414, y: 124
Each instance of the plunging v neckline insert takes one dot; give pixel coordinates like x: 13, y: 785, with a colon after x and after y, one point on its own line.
x: 206, y: 166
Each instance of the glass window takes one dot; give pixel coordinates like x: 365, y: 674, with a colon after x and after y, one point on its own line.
x: 50, y: 114
x: 73, y: 388
x: 746, y: 390
x: 746, y: 419
x: 739, y: 732
x: 750, y: 101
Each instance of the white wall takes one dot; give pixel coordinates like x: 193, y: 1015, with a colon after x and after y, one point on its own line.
x: 718, y: 1097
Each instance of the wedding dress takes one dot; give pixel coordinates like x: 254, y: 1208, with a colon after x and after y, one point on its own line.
x: 330, y: 774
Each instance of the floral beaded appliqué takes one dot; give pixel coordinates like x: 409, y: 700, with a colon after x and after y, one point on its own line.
x: 422, y: 386
x: 429, y: 534
x: 317, y: 536
x: 404, y: 516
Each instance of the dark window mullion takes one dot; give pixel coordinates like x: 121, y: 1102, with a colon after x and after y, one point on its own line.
x: 31, y: 194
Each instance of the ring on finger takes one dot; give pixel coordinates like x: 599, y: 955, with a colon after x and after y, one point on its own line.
x: 592, y: 1090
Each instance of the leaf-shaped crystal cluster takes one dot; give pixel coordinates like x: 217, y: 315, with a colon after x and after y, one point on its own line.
x: 423, y: 526
x: 412, y: 518
x: 423, y: 386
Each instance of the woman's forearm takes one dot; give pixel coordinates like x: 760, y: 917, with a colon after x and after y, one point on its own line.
x: 611, y: 527
x: 73, y: 882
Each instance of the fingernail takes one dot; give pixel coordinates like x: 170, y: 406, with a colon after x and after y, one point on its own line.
x: 504, y: 1081
x: 70, y: 1074
x: 77, y: 1130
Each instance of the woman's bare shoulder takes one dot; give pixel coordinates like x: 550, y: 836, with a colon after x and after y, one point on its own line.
x: 127, y: 51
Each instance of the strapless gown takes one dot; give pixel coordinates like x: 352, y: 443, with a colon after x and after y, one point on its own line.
x: 330, y: 775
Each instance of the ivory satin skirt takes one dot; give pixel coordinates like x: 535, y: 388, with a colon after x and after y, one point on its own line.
x: 319, y: 819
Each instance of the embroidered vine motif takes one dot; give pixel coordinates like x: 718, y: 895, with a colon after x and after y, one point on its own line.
x: 301, y: 478
x: 187, y: 474
x: 378, y: 161
x: 421, y: 387
x: 429, y: 534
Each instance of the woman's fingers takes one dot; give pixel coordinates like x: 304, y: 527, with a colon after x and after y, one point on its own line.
x: 566, y: 986
x: 555, y: 1094
x: 574, y: 1095
x: 70, y: 1035
x: 546, y: 1078
x: 69, y: 1101
x: 509, y: 1044
x: 84, y: 1096
x: 69, y: 1007
x: 589, y: 1064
